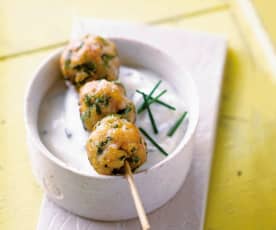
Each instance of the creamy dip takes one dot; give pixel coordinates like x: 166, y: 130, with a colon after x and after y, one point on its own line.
x: 62, y: 132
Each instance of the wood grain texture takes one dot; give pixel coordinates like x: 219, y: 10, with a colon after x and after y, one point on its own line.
x: 20, y: 196
x: 32, y: 24
x: 242, y: 191
x: 266, y: 12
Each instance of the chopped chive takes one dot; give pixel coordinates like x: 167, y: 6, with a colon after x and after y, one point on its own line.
x: 153, y: 142
x: 126, y: 110
x: 102, y: 144
x: 154, y: 88
x: 122, y: 158
x: 133, y: 150
x: 80, y: 46
x: 99, y: 150
x: 165, y: 105
x: 153, y: 124
x: 158, y: 101
x: 134, y: 159
x: 151, y: 93
x: 87, y: 100
x: 85, y: 115
x: 68, y: 59
x: 98, y: 109
x: 102, y: 40
x: 176, y: 125
x: 106, y: 58
x: 150, y: 101
x: 88, y: 68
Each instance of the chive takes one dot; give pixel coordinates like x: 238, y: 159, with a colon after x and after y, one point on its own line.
x: 151, y: 93
x: 68, y: 59
x: 153, y: 124
x: 102, y: 40
x: 101, y: 145
x: 115, y: 126
x: 126, y: 110
x: 98, y: 109
x: 99, y: 150
x: 165, y: 105
x: 134, y: 159
x: 116, y: 171
x: 108, y: 138
x: 154, y: 88
x: 158, y: 101
x: 150, y: 101
x: 153, y: 142
x: 122, y: 158
x: 106, y: 58
x: 133, y: 150
x: 176, y: 125
x: 104, y: 99
x: 87, y: 100
x: 80, y: 46
x: 86, y: 67
x: 85, y: 115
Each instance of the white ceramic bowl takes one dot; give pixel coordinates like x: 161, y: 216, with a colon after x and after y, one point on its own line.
x: 108, y: 197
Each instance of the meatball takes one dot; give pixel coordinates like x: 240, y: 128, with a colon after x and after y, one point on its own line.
x: 90, y: 58
x: 101, y: 98
x: 113, y: 141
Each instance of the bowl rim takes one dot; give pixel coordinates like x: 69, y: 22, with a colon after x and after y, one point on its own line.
x: 36, y: 140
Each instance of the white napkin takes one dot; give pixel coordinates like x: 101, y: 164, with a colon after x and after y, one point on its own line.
x: 203, y: 55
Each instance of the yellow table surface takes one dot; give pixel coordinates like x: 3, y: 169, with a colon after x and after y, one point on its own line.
x: 242, y: 191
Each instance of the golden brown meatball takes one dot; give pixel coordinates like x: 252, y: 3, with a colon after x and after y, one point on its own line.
x: 90, y: 58
x: 101, y: 98
x: 113, y: 141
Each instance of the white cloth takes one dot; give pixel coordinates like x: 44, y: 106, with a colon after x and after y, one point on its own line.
x: 202, y: 55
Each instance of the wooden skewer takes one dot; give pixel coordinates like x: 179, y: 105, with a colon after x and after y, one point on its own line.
x: 137, y: 201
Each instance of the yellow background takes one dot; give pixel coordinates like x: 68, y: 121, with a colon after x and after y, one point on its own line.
x: 242, y: 191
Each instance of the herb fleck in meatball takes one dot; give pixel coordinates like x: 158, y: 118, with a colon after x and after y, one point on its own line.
x: 90, y: 58
x: 101, y: 98
x: 113, y: 141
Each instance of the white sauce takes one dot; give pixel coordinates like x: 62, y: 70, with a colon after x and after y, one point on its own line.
x: 62, y: 132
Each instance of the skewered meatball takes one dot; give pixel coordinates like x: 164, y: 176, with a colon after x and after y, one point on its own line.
x: 101, y: 98
x: 113, y: 141
x: 90, y: 58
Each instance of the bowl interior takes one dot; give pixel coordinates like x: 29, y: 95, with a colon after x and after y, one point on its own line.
x: 132, y: 53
